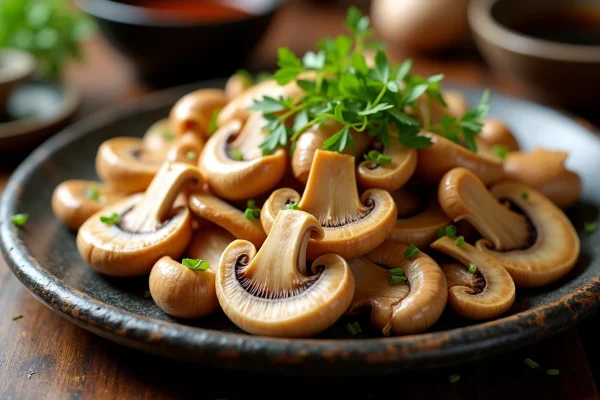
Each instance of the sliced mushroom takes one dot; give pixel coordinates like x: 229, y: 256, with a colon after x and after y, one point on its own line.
x: 75, y: 200
x: 434, y: 161
x: 237, y: 170
x: 495, y: 132
x: 181, y: 291
x: 430, y: 111
x: 193, y: 112
x: 237, y: 84
x: 353, y: 225
x: 420, y: 229
x: 313, y: 138
x: 401, y: 308
x: 187, y: 149
x: 228, y: 217
x: 463, y: 196
x: 545, y: 170
x: 273, y: 292
x: 159, y: 138
x: 408, y: 203
x: 393, y: 175
x: 484, y: 294
x: 209, y: 243
x: 126, y: 238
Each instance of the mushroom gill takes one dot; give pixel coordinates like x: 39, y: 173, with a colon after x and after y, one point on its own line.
x: 237, y: 170
x: 353, y: 225
x: 273, y: 292
x: 392, y: 175
x: 407, y: 306
x: 481, y: 288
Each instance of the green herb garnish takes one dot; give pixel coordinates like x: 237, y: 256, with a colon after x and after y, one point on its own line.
x: 199, y: 265
x: 530, y: 363
x: 377, y: 157
x: 459, y: 241
x: 19, y: 220
x: 147, y: 294
x: 92, y: 193
x: 190, y: 155
x: 472, y: 268
x: 411, y: 251
x: 525, y: 196
x: 500, y: 151
x: 397, y: 276
x: 252, y: 213
x: 379, y: 100
x: 453, y: 378
x: 441, y: 232
x: 354, y: 328
x: 111, y: 219
x: 237, y: 155
x: 212, y: 124
x: 450, y: 230
x: 17, y: 317
x: 553, y: 372
x: 590, y: 227
x: 167, y: 135
x: 291, y: 206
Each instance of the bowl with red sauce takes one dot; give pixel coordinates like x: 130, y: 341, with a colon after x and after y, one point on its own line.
x: 173, y: 42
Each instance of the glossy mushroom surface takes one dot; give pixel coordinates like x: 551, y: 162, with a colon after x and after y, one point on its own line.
x: 496, y: 133
x: 193, y: 112
x: 389, y: 176
x: 421, y: 228
x: 208, y: 244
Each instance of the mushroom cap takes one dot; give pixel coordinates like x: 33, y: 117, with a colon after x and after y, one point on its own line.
x: 488, y: 294
x: 186, y: 149
x: 236, y: 85
x: 557, y: 245
x: 122, y: 163
x: 193, y: 112
x: 71, y: 205
x: 272, y: 293
x: 181, y: 291
x: 313, y: 138
x: 403, y: 308
x: 228, y: 217
x: 157, y: 138
x: 408, y: 203
x: 392, y: 176
x: 434, y: 161
x: 239, y: 180
x: 208, y: 244
x: 463, y: 196
x: 353, y: 225
x: 420, y: 229
x: 496, y: 132
x: 430, y: 111
x: 545, y: 170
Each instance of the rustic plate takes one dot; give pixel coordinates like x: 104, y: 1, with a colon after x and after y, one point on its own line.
x: 44, y: 257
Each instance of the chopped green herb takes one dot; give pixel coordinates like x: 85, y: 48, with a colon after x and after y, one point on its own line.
x: 147, y: 294
x: 292, y: 206
x: 590, y: 227
x: 190, y: 155
x: 440, y: 233
x: 17, y: 317
x: 453, y: 378
x: 472, y: 268
x: 167, y: 135
x: 252, y: 213
x: 19, y: 220
x: 212, y: 124
x: 552, y: 372
x: 111, y: 219
x: 450, y: 230
x: 397, y: 279
x: 263, y: 76
x: 354, y: 328
x: 525, y: 196
x: 459, y: 241
x: 396, y: 271
x: 411, y: 251
x: 92, y: 193
x: 191, y: 263
x: 530, y: 363
x: 237, y: 155
x: 377, y: 157
x: 245, y: 76
x: 501, y: 151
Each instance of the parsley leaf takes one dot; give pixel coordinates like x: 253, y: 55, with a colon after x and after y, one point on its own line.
x: 338, y: 141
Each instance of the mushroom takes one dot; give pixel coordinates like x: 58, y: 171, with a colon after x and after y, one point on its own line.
x: 406, y: 296
x: 186, y: 149
x: 193, y: 112
x: 225, y: 215
x: 313, y: 138
x: 353, y: 225
x: 237, y: 84
x: 463, y: 196
x: 537, y: 248
x: 545, y: 170
x: 420, y: 229
x: 158, y: 138
x: 209, y: 243
x: 408, y: 203
x: 237, y: 170
x: 74, y: 200
x: 429, y: 111
x: 184, y: 290
x: 392, y: 175
x: 126, y: 238
x: 480, y: 289
x: 434, y: 161
x: 496, y: 133
x: 273, y: 292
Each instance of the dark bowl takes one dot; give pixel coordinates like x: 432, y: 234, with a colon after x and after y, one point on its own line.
x: 554, y: 71
x: 168, y: 51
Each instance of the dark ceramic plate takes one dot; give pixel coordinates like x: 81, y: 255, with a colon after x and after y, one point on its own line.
x: 44, y: 257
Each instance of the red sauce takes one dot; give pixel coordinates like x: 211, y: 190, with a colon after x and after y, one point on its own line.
x: 192, y: 10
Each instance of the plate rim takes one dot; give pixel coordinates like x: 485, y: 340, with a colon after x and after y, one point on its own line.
x: 238, y: 350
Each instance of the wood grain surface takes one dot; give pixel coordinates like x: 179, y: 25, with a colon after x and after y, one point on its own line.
x: 43, y: 356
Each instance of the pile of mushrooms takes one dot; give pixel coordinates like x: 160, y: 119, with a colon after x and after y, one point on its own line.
x: 287, y: 244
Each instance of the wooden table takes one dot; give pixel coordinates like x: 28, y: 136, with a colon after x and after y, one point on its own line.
x: 44, y: 356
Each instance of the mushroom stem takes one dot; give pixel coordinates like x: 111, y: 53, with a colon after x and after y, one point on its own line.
x: 489, y: 294
x: 158, y: 199
x: 463, y: 196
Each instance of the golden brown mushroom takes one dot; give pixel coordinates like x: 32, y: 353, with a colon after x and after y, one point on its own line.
x: 237, y: 170
x: 429, y: 111
x: 237, y: 84
x: 159, y: 137
x: 536, y: 249
x: 405, y: 295
x: 126, y: 238
x: 545, y: 170
x: 496, y: 133
x: 353, y: 225
x: 193, y: 112
x: 420, y: 229
x: 186, y: 149
x: 75, y: 200
x: 273, y: 292
x: 480, y: 289
x: 209, y: 243
x: 184, y: 290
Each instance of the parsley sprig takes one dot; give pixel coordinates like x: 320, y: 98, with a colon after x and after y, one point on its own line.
x: 378, y: 99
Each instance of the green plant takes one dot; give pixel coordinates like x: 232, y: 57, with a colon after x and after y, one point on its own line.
x: 49, y: 29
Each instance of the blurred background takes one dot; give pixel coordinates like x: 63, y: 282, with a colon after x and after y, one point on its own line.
x: 64, y: 59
